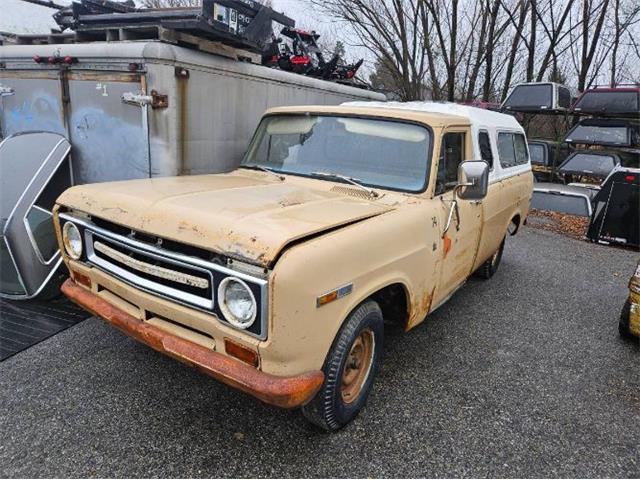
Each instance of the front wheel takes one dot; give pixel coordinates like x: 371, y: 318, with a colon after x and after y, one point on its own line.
x: 490, y: 267
x: 349, y: 369
x: 623, y: 324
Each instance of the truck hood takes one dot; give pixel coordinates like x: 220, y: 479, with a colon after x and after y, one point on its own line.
x: 237, y: 214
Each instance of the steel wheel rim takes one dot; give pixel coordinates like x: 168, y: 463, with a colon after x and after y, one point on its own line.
x: 358, y: 366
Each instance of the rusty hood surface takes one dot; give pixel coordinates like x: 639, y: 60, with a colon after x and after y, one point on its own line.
x: 238, y: 214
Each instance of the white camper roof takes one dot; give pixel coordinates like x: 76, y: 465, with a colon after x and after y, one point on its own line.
x: 476, y: 116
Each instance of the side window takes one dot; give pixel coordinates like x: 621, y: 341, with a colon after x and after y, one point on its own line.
x: 451, y: 155
x: 564, y: 98
x: 506, y: 150
x: 512, y: 148
x: 485, y: 147
x: 522, y: 156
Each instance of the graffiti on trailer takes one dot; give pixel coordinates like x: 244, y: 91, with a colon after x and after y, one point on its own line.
x: 40, y: 112
x: 112, y: 148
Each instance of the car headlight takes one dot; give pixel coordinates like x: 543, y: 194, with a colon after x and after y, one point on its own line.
x: 237, y: 302
x: 72, y: 240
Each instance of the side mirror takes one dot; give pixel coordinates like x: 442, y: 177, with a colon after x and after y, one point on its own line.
x: 473, y: 180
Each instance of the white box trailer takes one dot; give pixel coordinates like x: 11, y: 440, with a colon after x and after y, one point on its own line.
x: 147, y: 108
x: 129, y: 110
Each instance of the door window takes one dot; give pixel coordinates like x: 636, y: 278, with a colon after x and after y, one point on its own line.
x: 485, y: 148
x: 451, y: 155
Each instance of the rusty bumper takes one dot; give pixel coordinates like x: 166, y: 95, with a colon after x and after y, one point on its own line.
x: 284, y: 392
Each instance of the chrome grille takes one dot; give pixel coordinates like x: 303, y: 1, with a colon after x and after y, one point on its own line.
x: 150, y: 271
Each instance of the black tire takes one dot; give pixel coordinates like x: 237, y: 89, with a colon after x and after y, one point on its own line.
x: 489, y: 268
x: 623, y: 324
x: 328, y: 409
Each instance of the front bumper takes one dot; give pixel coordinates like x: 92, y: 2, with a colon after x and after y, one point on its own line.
x: 284, y: 392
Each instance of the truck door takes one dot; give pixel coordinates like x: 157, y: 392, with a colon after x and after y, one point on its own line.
x: 460, y: 242
x: 30, y: 101
x: 109, y: 138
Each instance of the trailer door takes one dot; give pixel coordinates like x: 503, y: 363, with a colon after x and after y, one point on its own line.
x: 109, y: 137
x: 30, y: 101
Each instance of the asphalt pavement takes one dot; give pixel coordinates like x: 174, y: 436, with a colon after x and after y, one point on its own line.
x: 523, y: 375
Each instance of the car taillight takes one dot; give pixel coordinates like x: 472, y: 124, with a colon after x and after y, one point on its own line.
x: 300, y: 60
x: 630, y: 178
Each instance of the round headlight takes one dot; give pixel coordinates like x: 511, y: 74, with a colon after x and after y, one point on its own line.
x: 237, y: 302
x: 72, y: 240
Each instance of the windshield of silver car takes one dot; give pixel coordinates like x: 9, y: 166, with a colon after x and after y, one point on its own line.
x: 376, y: 153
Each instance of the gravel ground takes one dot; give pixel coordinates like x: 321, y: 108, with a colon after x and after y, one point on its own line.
x: 520, y: 376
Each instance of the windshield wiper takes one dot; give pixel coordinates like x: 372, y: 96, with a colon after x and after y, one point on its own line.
x: 265, y: 169
x: 353, y: 181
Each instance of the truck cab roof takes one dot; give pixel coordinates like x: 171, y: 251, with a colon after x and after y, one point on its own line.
x: 433, y: 113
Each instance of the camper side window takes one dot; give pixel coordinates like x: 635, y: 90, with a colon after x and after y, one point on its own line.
x: 512, y: 148
x: 485, y: 147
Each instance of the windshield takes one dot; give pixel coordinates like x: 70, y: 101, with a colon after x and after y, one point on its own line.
x: 562, y: 203
x: 588, y: 163
x: 536, y: 152
x: 608, y: 102
x: 531, y: 96
x: 591, y: 134
x: 377, y: 153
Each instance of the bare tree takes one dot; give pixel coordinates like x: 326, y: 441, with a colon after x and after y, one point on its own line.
x: 592, y: 17
x: 391, y: 31
x: 517, y: 37
x: 622, y: 21
x: 465, y: 49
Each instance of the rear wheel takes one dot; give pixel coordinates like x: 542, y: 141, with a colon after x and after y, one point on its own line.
x: 623, y: 324
x: 349, y: 369
x: 489, y: 268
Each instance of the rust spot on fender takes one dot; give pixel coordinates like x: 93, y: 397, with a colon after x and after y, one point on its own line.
x: 284, y: 392
x: 446, y: 245
x: 420, y: 310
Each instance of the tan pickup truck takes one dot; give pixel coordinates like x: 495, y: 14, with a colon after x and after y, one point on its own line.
x: 276, y: 278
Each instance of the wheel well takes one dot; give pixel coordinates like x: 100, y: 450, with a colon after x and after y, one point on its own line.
x: 392, y: 300
x: 514, y: 225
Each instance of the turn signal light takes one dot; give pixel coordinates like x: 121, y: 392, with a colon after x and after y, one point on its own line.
x: 37, y: 58
x: 81, y: 279
x: 241, y: 352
